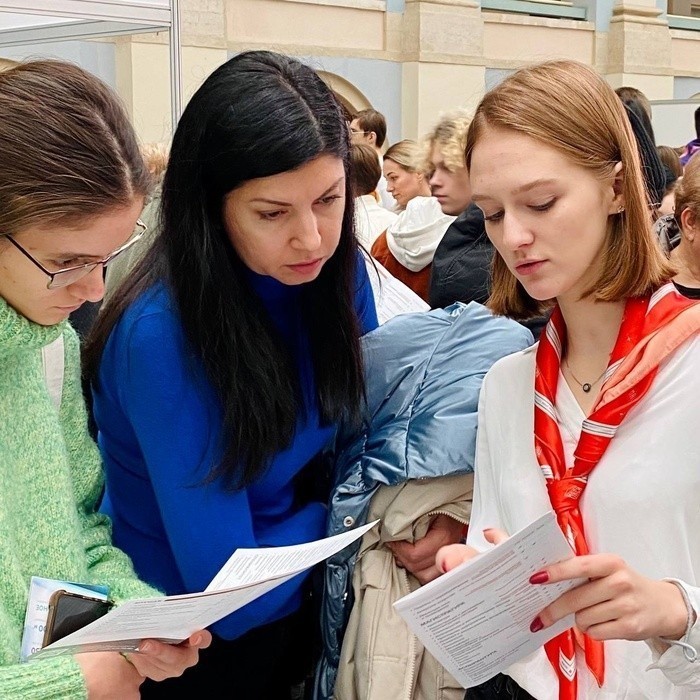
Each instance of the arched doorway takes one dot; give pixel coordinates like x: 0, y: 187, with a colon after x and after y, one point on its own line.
x: 350, y: 97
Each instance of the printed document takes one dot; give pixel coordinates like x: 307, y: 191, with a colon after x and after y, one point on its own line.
x: 475, y: 620
x: 248, y: 574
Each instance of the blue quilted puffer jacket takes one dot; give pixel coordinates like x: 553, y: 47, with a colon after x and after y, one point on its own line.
x: 424, y: 373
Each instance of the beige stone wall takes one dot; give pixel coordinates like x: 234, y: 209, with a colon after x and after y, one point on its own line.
x: 307, y: 27
x: 511, y: 41
x: 143, y: 78
x: 685, y: 53
x: 443, y: 46
x: 431, y: 88
x: 143, y: 65
x: 203, y: 23
x: 442, y: 32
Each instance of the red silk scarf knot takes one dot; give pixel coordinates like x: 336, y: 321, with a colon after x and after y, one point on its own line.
x: 651, y: 329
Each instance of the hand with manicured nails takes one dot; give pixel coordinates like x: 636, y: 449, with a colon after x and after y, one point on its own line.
x: 615, y: 603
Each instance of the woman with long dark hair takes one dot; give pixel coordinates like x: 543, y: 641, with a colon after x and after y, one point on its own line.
x: 222, y: 367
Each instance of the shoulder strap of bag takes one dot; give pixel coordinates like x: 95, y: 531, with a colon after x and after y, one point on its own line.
x: 52, y: 356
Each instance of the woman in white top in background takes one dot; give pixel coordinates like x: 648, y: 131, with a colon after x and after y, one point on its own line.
x: 371, y: 218
x: 614, y: 447
x: 407, y: 247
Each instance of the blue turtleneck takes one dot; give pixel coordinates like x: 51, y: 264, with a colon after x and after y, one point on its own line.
x: 159, y: 431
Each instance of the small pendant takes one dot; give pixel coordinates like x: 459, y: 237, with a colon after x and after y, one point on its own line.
x: 586, y: 387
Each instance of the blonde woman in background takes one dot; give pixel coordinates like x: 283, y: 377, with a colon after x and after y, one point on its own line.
x: 407, y: 247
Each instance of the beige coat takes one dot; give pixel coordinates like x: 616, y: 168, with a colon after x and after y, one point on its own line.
x: 381, y: 658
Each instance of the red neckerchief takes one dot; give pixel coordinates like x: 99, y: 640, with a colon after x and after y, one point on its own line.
x: 651, y: 329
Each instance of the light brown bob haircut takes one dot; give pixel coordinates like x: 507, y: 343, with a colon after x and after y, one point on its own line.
x: 567, y: 106
x: 365, y: 170
x: 670, y: 159
x: 69, y: 151
x: 408, y: 155
x: 688, y: 190
x: 450, y: 136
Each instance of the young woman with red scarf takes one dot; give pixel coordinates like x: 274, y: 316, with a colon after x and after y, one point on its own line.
x: 597, y: 422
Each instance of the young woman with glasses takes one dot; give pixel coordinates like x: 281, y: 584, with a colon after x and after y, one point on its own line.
x: 224, y: 363
x: 72, y: 186
x: 64, y: 276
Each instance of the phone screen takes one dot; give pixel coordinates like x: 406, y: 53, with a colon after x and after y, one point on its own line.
x: 69, y: 612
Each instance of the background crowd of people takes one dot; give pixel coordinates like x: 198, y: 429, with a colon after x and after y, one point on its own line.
x: 243, y: 393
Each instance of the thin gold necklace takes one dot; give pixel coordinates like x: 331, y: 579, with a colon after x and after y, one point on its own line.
x: 586, y: 386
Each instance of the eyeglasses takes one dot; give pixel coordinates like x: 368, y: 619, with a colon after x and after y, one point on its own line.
x: 68, y: 275
x: 358, y: 131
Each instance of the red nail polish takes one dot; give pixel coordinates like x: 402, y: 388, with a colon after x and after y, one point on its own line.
x: 536, y: 625
x: 539, y: 577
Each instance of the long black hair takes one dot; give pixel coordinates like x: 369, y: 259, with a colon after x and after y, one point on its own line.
x: 652, y: 167
x: 259, y: 114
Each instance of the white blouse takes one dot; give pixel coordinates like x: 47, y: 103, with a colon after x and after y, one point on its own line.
x: 642, y: 502
x: 371, y: 219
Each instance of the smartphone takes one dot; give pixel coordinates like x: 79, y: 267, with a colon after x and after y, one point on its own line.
x: 69, y: 612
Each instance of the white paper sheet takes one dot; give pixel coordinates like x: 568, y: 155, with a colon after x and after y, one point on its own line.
x: 248, y: 574
x: 475, y: 620
x: 247, y: 566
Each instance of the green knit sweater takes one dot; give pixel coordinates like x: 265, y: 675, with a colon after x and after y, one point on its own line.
x: 50, y: 480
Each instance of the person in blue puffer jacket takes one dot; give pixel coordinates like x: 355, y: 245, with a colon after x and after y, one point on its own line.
x: 424, y: 374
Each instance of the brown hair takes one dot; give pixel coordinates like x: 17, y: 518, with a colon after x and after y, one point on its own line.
x: 450, y: 135
x: 688, y: 190
x: 365, y: 170
x: 371, y: 120
x: 634, y: 95
x: 407, y: 154
x: 671, y: 160
x: 567, y: 106
x: 68, y: 148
